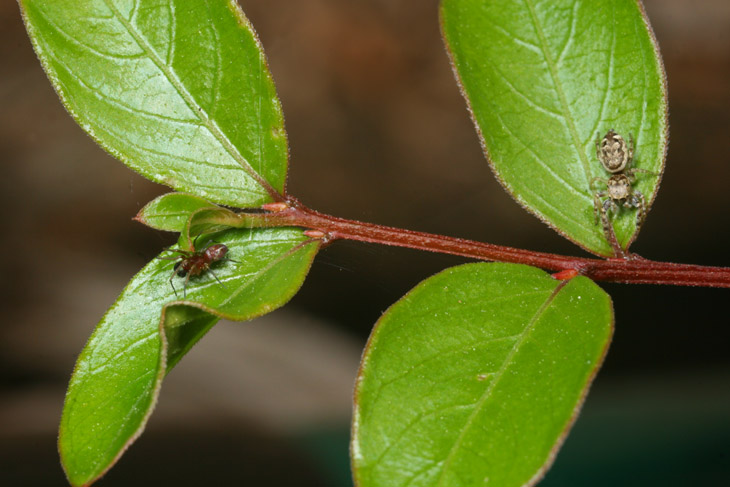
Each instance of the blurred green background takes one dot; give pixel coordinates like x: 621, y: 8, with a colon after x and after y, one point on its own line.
x: 378, y: 132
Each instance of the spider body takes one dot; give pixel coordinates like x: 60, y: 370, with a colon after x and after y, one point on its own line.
x: 614, y: 153
x: 194, y: 263
x: 616, y: 156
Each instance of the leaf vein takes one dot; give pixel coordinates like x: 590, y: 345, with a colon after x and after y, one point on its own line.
x: 117, y: 103
x: 609, y: 79
x: 88, y: 47
x: 511, y: 36
x: 542, y: 163
x: 194, y: 106
x: 172, y: 32
x: 571, y: 35
x: 217, y: 71
x: 530, y: 326
x: 525, y: 97
x: 552, y: 67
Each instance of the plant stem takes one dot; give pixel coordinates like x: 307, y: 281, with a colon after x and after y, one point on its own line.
x: 630, y: 269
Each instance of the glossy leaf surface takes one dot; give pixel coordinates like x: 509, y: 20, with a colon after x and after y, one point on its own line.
x: 543, y: 80
x: 193, y: 216
x: 475, y: 376
x: 117, y: 377
x: 177, y: 90
x: 171, y: 211
x: 210, y: 220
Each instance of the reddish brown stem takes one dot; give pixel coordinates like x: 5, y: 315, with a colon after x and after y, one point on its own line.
x: 630, y: 269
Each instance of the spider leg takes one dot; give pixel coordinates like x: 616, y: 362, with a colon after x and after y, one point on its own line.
x: 610, y: 205
x: 182, y: 252
x: 631, y: 147
x: 185, y: 285
x: 604, y: 181
x: 216, y: 278
x: 631, y: 172
x: 640, y: 203
x: 172, y: 276
x: 603, y: 208
x: 598, y: 146
x: 195, y: 240
x: 597, y: 205
x: 604, y: 217
x: 610, y: 234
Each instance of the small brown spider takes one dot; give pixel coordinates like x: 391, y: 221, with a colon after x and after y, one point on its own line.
x: 616, y: 156
x: 194, y: 263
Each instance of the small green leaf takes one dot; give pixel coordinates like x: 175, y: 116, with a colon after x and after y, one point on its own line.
x: 177, y: 90
x: 475, y: 376
x: 170, y: 212
x: 211, y: 220
x: 543, y: 80
x: 193, y: 216
x: 118, y: 375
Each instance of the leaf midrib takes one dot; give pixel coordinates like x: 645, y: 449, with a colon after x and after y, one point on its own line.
x: 262, y: 271
x: 567, y: 114
x: 191, y: 103
x: 497, y: 377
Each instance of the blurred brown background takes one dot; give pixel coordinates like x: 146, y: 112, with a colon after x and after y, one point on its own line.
x: 378, y: 132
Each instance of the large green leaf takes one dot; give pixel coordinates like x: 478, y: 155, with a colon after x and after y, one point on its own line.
x: 177, y: 90
x: 475, y: 376
x: 543, y: 80
x: 118, y: 375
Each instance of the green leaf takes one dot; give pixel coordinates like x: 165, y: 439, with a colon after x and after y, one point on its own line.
x: 475, y: 376
x: 177, y: 90
x: 118, y: 375
x: 543, y: 80
x: 170, y: 212
x: 211, y: 220
x: 193, y: 216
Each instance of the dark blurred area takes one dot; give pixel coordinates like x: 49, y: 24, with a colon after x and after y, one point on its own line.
x: 378, y: 132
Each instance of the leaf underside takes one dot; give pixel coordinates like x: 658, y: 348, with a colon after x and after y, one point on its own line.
x: 475, y: 376
x: 543, y: 80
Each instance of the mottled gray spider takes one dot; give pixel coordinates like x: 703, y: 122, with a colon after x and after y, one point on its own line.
x: 616, y: 157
